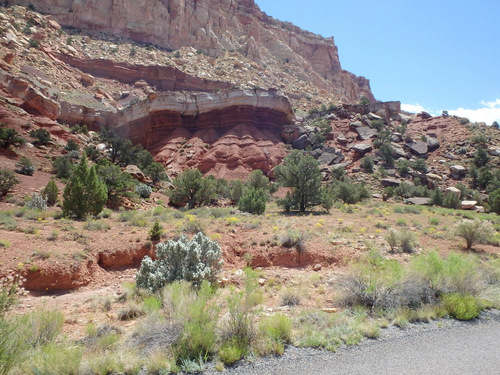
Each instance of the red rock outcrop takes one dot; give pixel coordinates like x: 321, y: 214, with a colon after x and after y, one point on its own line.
x: 227, y: 134
x: 164, y: 78
x: 212, y: 26
x: 35, y: 96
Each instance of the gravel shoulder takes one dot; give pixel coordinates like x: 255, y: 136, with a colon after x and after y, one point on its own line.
x: 441, y: 347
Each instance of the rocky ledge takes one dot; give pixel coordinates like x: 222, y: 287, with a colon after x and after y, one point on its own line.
x: 227, y: 133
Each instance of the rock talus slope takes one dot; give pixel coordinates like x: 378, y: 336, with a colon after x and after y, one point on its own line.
x: 213, y: 26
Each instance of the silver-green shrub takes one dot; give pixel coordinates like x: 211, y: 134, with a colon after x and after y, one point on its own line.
x: 37, y: 202
x: 194, y: 261
x: 143, y: 190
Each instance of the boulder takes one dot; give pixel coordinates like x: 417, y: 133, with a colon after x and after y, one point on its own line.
x: 494, y: 151
x: 390, y: 182
x: 342, y: 139
x: 365, y: 132
x: 435, y: 177
x: 135, y: 172
x: 418, y: 148
x: 301, y: 143
x: 468, y: 205
x: 457, y: 172
x: 330, y: 158
x: 398, y: 151
x: 362, y: 148
x: 453, y: 190
x: 396, y: 137
x: 432, y: 144
x: 356, y: 124
x: 419, y: 201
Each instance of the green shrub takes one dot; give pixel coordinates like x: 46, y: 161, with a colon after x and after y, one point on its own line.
x: 92, y: 152
x: 236, y: 189
x: 386, y: 153
x: 156, y: 231
x: 302, y: 174
x: 194, y: 261
x: 54, y: 359
x: 51, y: 192
x: 197, y: 314
x: 84, y: 194
x: 7, y: 180
x: 9, y: 137
x: 451, y: 201
x: 24, y: 166
x: 278, y: 329
x: 118, y: 183
x: 420, y: 165
x: 156, y: 172
x: 437, y: 197
x: 473, y: 231
x: 367, y: 164
x: 238, y: 333
x: 256, y: 180
x: 461, y: 306
x: 494, y: 201
x: 349, y: 192
x: 294, y: 238
x: 42, y: 326
x: 63, y: 166
x: 253, y: 201
x: 143, y: 190
x: 37, y: 202
x: 72, y: 145
x: 192, y: 189
x: 42, y: 136
x: 403, y: 167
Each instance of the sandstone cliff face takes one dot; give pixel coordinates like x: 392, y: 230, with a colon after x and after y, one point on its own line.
x: 212, y: 26
x: 227, y: 134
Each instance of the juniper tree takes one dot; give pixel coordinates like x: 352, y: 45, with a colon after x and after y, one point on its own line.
x: 85, y: 193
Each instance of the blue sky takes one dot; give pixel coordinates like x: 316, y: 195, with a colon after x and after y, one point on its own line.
x: 431, y: 55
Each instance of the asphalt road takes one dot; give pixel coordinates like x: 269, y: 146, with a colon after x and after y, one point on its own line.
x: 439, y: 348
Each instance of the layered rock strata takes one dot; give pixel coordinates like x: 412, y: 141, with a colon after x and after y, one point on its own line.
x: 164, y: 78
x: 213, y: 26
x: 228, y: 133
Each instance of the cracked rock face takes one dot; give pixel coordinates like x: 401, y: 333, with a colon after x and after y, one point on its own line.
x: 212, y: 26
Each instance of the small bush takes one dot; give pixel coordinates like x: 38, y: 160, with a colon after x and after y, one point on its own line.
x: 194, y: 261
x: 461, y: 306
x: 349, y: 192
x: 253, y: 201
x: 278, y: 329
x: 143, y: 190
x: 7, y: 180
x: 9, y: 137
x: 367, y: 164
x: 37, y: 202
x: 451, y: 201
x: 63, y: 167
x: 72, y: 146
x: 42, y: 326
x: 42, y: 136
x: 474, y: 231
x: 24, y: 166
x: 402, y: 240
x: 156, y: 231
x: 290, y: 298
x: 51, y: 193
x: 293, y: 238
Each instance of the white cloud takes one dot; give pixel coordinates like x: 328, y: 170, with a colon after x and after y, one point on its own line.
x: 416, y: 108
x: 489, y: 113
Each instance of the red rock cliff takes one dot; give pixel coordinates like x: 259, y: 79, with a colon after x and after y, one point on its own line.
x: 211, y: 26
